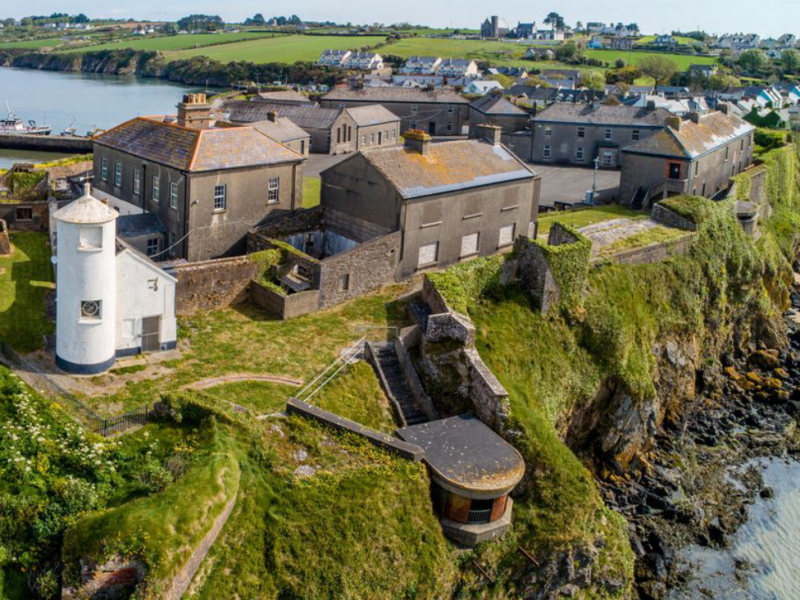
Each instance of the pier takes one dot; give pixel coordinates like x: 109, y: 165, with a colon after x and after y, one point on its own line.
x: 72, y: 144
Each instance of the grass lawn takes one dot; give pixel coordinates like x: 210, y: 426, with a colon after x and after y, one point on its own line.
x: 683, y: 61
x: 281, y: 49
x: 655, y: 235
x: 244, y: 339
x: 260, y: 396
x: 166, y: 43
x: 587, y: 216
x: 649, y: 39
x: 312, y: 187
x: 26, y: 277
x: 39, y: 43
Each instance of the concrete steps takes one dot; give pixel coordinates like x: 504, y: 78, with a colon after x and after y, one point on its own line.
x: 398, y: 386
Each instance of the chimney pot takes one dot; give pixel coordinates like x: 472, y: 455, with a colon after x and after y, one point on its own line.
x: 417, y: 141
x: 194, y: 112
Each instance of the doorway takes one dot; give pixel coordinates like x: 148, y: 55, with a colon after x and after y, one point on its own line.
x: 151, y: 334
x: 432, y: 128
x: 674, y: 170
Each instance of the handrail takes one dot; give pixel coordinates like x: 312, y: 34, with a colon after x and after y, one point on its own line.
x: 349, y: 354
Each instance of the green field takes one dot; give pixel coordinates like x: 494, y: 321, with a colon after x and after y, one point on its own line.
x: 649, y: 39
x: 683, y: 61
x: 166, y: 43
x: 283, y: 49
x: 38, y: 43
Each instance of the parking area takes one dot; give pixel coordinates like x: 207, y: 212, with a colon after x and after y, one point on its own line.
x: 566, y: 185
x: 317, y: 163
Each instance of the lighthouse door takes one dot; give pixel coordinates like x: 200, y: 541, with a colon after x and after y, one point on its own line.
x: 151, y: 334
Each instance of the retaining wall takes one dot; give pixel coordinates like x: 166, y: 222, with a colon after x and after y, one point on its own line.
x: 284, y: 307
x: 650, y: 254
x: 409, y: 338
x: 213, y: 284
x: 661, y: 214
x: 46, y: 143
x: 387, y: 442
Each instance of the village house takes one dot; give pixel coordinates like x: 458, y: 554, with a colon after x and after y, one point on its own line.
x: 494, y: 109
x: 457, y: 68
x: 333, y: 58
x: 364, y: 61
x: 283, y: 97
x: 437, y: 111
x: 525, y: 30
x: 207, y: 185
x: 450, y: 200
x: 482, y: 86
x: 331, y: 130
x: 420, y: 65
x: 696, y: 156
x: 285, y: 132
x: 112, y: 301
x: 576, y: 134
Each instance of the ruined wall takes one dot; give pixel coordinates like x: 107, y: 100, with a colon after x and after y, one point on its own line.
x: 116, y: 578
x: 284, y: 306
x: 654, y: 253
x: 661, y: 214
x: 300, y: 220
x: 5, y: 242
x: 26, y: 216
x: 213, y: 284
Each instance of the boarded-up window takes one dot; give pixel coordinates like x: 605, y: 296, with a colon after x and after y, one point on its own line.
x: 432, y: 213
x: 428, y: 254
x: 91, y: 238
x: 128, y: 329
x: 469, y: 244
x: 506, y: 235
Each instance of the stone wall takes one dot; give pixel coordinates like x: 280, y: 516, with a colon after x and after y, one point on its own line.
x: 387, y: 442
x: 300, y: 220
x: 651, y: 254
x: 116, y: 578
x: 409, y: 338
x: 284, y: 306
x: 16, y: 214
x: 534, y: 275
x: 213, y: 284
x: 432, y: 297
x: 661, y: 214
x: 5, y: 241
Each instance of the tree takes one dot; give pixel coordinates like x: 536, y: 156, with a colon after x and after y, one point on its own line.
x: 579, y: 26
x: 594, y: 81
x: 660, y: 68
x: 503, y: 80
x: 201, y: 22
x: 555, y: 20
x: 791, y: 60
x: 723, y: 81
x: 81, y: 18
x: 258, y: 19
x: 566, y: 51
x: 627, y: 75
x: 753, y: 61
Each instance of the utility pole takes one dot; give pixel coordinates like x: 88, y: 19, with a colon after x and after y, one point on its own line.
x: 594, y: 179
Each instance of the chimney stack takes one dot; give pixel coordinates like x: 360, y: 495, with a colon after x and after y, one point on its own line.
x: 272, y: 116
x: 651, y: 105
x: 417, y: 141
x: 723, y: 107
x: 489, y: 133
x: 674, y: 123
x: 194, y: 112
x: 695, y: 116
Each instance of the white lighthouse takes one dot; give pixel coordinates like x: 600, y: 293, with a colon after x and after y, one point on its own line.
x: 86, y: 292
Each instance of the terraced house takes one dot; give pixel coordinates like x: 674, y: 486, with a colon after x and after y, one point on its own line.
x: 206, y: 185
x: 435, y: 111
x: 577, y: 134
x: 696, y: 156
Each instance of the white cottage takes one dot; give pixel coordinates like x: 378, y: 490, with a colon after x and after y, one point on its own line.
x: 111, y: 300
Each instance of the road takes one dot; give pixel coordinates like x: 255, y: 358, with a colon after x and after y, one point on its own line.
x: 568, y: 185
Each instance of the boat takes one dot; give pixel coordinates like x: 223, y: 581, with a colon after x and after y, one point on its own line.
x: 13, y: 124
x: 71, y: 130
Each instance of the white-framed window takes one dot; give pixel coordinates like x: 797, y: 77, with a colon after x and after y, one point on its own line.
x: 220, y: 197
x: 609, y: 135
x: 506, y: 235
x: 413, y: 109
x: 635, y: 135
x: 449, y: 126
x: 469, y: 244
x: 172, y: 249
x: 156, y: 188
x: 581, y: 132
x: 118, y: 174
x: 547, y: 152
x: 450, y: 110
x: 90, y: 238
x: 173, y: 195
x: 364, y: 139
x: 548, y: 132
x: 608, y: 157
x: 428, y: 255
x: 137, y: 182
x: 579, y: 153
x: 371, y: 138
x: 152, y: 246
x: 273, y: 190
x: 104, y: 169
x: 91, y: 310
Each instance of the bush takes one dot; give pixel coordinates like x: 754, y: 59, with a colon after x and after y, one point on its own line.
x: 694, y: 208
x: 154, y: 477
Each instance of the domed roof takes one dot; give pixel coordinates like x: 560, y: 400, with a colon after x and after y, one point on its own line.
x: 86, y: 210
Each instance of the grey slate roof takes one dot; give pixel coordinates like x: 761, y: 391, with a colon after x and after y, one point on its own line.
x: 194, y: 150
x: 495, y: 104
x: 448, y: 166
x: 307, y: 117
x: 130, y: 226
x: 603, y: 115
x: 282, y: 130
x: 375, y: 114
x: 467, y: 454
x: 396, y: 94
x: 284, y: 96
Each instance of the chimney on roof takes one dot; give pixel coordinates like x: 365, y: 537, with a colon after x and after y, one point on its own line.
x: 651, y: 105
x: 417, y: 141
x: 194, y: 112
x: 272, y: 116
x: 674, y: 123
x: 695, y: 116
x: 723, y: 107
x: 489, y: 133
x: 595, y: 104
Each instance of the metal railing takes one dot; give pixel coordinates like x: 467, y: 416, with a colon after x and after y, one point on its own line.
x: 477, y: 517
x: 333, y: 369
x: 375, y: 333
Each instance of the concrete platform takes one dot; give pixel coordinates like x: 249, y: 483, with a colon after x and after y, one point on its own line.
x: 564, y: 186
x: 471, y: 535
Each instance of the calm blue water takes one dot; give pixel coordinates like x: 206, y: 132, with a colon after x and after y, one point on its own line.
x: 769, y: 541
x: 88, y: 100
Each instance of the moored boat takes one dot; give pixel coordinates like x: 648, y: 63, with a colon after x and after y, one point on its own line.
x: 13, y: 124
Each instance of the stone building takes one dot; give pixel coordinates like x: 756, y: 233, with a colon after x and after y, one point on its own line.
x: 285, y: 132
x: 451, y: 200
x: 435, y: 111
x: 494, y: 109
x: 473, y: 470
x: 208, y: 185
x: 696, y: 156
x: 494, y: 27
x: 576, y: 134
x: 331, y: 130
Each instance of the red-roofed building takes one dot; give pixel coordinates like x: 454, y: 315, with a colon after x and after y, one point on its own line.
x: 207, y: 185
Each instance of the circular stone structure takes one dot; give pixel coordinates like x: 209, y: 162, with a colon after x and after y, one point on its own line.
x: 473, y: 470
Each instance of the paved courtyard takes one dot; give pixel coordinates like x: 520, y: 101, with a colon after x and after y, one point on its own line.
x: 317, y: 163
x: 568, y: 185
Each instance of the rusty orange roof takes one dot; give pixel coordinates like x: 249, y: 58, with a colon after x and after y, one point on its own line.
x: 163, y: 141
x: 448, y: 166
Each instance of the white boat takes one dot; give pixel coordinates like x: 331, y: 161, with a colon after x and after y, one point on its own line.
x: 13, y: 124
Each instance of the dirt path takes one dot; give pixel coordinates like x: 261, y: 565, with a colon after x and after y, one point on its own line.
x: 204, y: 384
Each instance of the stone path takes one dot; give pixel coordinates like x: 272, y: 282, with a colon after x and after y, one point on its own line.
x: 606, y: 233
